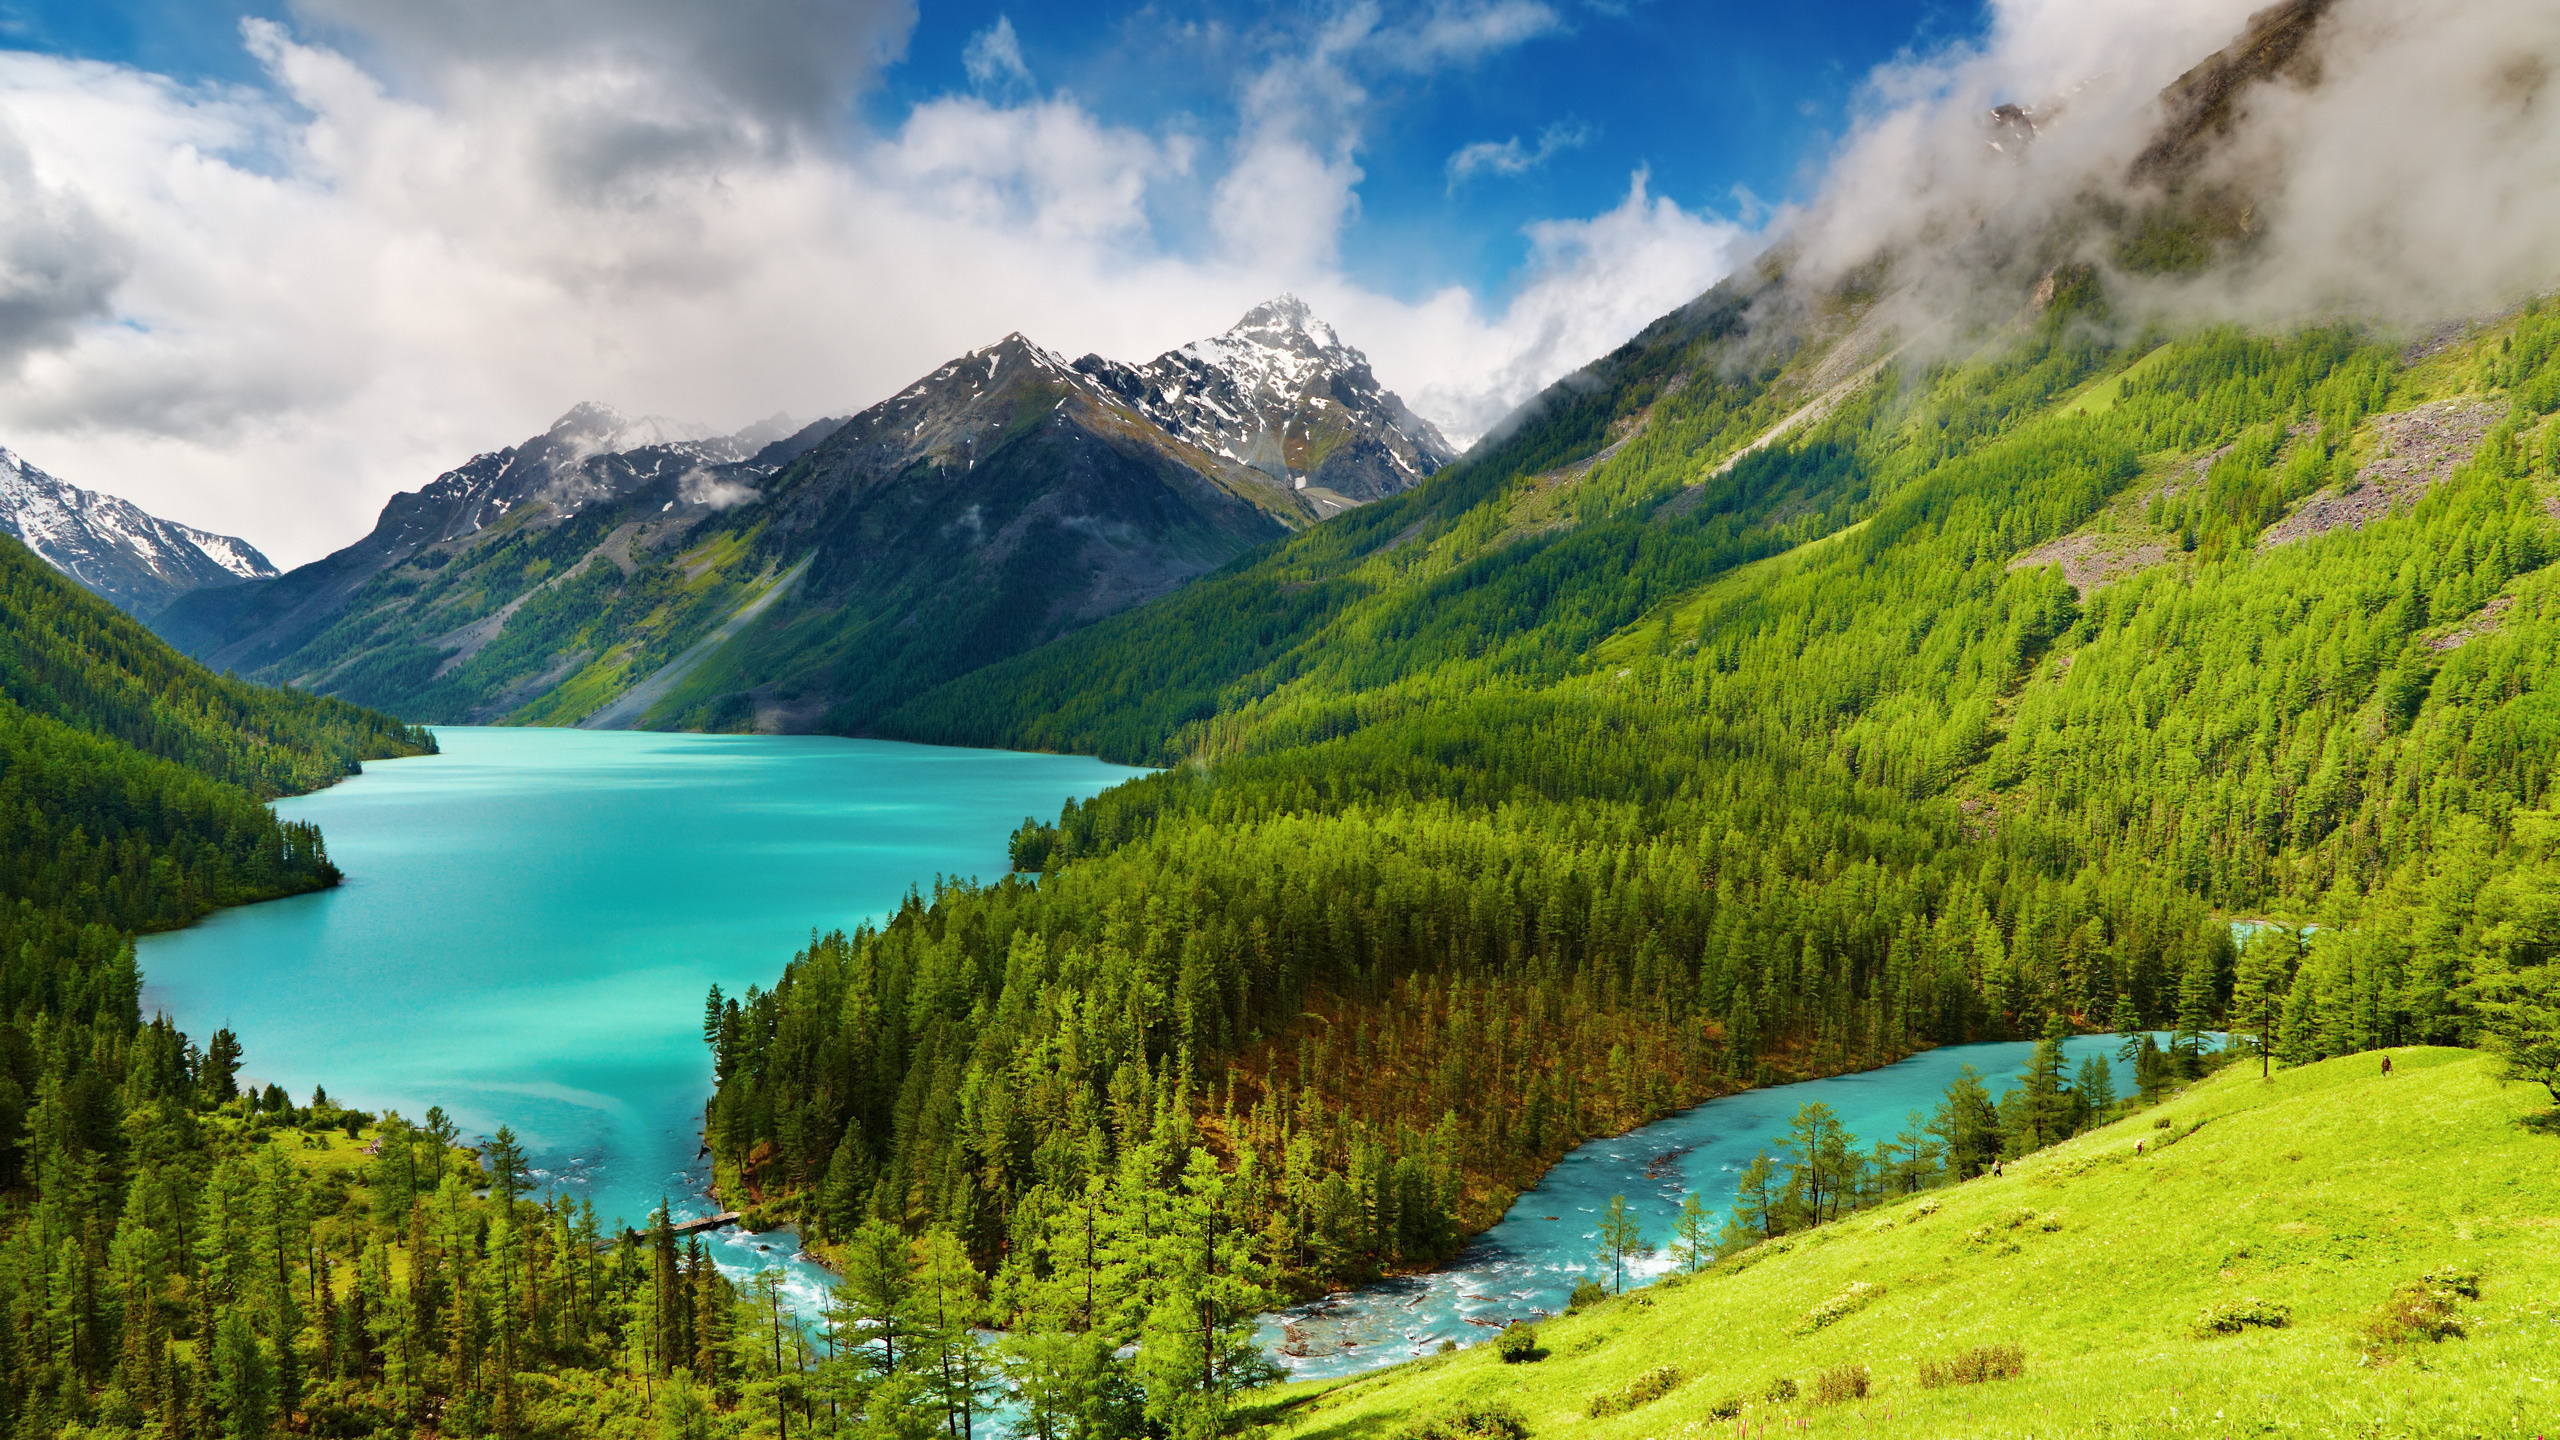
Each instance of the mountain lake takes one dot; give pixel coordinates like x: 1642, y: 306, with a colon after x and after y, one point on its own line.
x: 530, y: 921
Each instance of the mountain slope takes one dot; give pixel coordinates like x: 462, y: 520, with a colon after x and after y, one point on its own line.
x: 1005, y: 499
x: 135, y: 559
x: 1002, y: 501
x: 591, y: 461
x: 131, y: 788
x: 2325, y: 1191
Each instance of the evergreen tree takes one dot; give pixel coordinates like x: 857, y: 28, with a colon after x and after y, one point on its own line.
x: 2520, y: 1012
x: 1621, y: 1239
x: 2095, y: 1086
x: 1968, y: 1125
x: 221, y: 1067
x: 2046, y: 1102
x: 244, y: 1380
x: 1693, y: 1243
x: 504, y: 1160
x: 946, y: 1303
x: 2193, y: 1036
x: 876, y: 1295
x: 1759, y: 1205
x: 2258, y: 993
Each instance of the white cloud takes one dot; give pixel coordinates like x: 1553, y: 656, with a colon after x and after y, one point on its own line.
x: 786, y: 64
x: 994, y: 56
x: 1591, y: 284
x: 1510, y: 157
x: 1465, y: 33
x: 262, y: 309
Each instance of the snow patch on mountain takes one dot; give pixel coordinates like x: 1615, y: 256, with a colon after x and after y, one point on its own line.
x: 1280, y: 393
x: 135, y: 559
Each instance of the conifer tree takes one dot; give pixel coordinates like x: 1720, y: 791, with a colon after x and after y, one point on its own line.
x: 2187, y: 1044
x: 1693, y: 1244
x: 1758, y: 1203
x: 1968, y: 1124
x: 2095, y: 1087
x: 503, y: 1158
x: 2258, y: 994
x: 2047, y: 1102
x: 876, y: 1295
x: 1621, y: 1239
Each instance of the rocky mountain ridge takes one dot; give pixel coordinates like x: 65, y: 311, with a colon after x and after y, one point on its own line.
x: 591, y: 456
x: 135, y: 560
x: 796, y: 579
x: 1281, y: 394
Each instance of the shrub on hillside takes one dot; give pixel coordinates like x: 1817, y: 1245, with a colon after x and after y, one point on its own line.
x: 2414, y: 1312
x: 1518, y: 1343
x: 1840, y: 1384
x: 1750, y: 1255
x: 1843, y: 1305
x: 1780, y: 1391
x: 2461, y: 1280
x: 2230, y: 1317
x: 2427, y: 1309
x: 1974, y: 1366
x: 1471, y: 1420
x: 1646, y: 1388
x: 1586, y: 1294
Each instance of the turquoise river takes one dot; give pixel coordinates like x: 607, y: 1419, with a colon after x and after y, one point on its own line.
x: 530, y: 921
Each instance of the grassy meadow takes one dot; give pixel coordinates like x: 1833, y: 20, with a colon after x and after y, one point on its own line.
x: 2328, y: 1194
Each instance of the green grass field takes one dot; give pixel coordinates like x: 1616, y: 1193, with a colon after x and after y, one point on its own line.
x: 2325, y: 1190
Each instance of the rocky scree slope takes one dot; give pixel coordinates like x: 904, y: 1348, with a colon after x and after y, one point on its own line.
x: 1002, y: 500
x: 135, y: 560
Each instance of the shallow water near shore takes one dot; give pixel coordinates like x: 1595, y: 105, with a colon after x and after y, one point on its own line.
x: 530, y: 921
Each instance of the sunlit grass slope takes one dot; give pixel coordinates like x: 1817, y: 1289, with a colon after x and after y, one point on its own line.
x: 2325, y: 1190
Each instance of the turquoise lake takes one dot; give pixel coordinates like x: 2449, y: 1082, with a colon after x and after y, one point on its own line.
x: 530, y: 921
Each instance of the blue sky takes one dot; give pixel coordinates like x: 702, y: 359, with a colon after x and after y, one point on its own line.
x: 1712, y: 100
x: 1715, y: 102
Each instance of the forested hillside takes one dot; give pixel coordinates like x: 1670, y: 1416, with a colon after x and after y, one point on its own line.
x: 98, y: 671
x: 1620, y: 764
x: 184, y: 1260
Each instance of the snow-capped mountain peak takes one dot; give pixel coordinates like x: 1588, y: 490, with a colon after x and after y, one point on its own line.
x: 136, y: 560
x: 590, y: 428
x: 1285, y: 323
x: 1280, y: 393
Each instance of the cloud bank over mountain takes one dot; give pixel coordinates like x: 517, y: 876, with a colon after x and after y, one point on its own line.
x: 2402, y: 164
